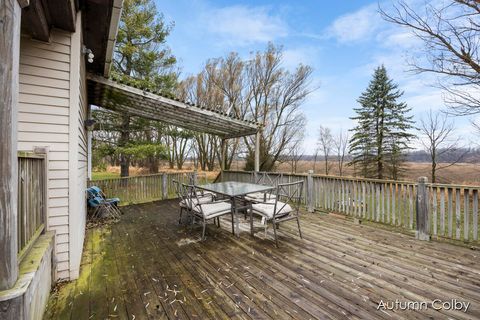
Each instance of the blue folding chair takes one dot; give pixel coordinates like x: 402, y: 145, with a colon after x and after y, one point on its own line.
x: 100, y: 205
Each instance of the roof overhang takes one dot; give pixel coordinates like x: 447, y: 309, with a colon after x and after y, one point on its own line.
x: 125, y: 99
x: 100, y: 21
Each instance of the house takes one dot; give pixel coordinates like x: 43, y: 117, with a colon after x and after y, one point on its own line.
x: 55, y: 60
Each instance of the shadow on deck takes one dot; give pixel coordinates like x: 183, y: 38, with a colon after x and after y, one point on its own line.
x: 149, y: 267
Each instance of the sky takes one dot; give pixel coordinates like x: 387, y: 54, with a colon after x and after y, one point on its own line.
x: 342, y: 40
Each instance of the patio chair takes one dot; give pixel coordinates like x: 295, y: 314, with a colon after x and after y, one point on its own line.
x: 276, y: 211
x: 206, y: 211
x: 182, y: 194
x: 192, y: 181
x: 100, y: 205
x: 265, y: 179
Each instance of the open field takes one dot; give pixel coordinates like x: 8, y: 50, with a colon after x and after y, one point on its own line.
x: 461, y: 173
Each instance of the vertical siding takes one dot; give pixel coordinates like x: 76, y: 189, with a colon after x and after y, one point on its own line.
x: 43, y: 120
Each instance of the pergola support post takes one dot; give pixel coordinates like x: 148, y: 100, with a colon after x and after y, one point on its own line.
x: 10, y: 14
x: 257, y: 151
x: 223, y: 156
x: 89, y: 146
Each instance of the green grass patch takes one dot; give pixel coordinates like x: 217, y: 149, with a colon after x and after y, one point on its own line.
x: 104, y: 175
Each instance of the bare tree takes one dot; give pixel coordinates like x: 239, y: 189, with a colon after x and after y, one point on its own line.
x: 450, y: 31
x: 273, y: 98
x: 438, y: 141
x: 340, y: 143
x: 296, y: 152
x: 258, y: 89
x: 325, y: 144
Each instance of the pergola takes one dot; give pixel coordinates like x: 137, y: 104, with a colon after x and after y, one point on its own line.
x: 130, y: 100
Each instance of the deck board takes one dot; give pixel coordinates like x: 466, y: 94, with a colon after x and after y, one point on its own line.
x: 148, y: 266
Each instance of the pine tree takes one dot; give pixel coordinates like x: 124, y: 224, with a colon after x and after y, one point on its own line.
x: 142, y: 59
x: 381, y: 137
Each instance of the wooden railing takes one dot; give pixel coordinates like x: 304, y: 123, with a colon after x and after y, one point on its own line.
x: 452, y: 209
x: 145, y: 188
x: 31, y: 199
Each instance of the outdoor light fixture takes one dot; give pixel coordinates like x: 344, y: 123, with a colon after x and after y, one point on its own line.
x: 89, y: 54
x: 89, y: 124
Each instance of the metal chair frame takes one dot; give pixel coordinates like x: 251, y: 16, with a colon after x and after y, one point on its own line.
x: 197, y: 210
x: 284, y: 192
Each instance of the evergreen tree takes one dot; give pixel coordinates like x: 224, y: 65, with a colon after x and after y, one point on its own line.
x: 141, y: 59
x: 381, y: 137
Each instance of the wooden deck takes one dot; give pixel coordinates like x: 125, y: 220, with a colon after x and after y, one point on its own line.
x: 149, y: 267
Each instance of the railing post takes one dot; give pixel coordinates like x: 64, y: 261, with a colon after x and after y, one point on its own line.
x: 164, y: 186
x: 310, y: 204
x: 195, y: 177
x: 423, y: 224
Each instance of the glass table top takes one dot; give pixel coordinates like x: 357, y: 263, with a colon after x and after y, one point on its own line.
x: 234, y: 188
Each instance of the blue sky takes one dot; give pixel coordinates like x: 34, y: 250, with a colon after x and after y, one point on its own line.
x: 342, y: 40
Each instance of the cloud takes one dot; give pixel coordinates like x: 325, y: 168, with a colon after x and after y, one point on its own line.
x: 357, y: 26
x: 240, y: 25
x: 294, y: 56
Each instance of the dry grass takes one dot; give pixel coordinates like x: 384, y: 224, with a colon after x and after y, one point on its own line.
x: 461, y: 173
x: 114, y: 171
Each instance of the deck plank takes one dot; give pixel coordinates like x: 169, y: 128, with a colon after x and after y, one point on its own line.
x: 149, y: 266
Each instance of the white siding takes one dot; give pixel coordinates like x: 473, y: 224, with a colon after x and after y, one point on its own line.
x: 52, y: 109
x: 78, y: 167
x: 43, y: 121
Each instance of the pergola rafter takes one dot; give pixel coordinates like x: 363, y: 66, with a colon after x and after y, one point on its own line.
x: 133, y: 101
x: 136, y: 102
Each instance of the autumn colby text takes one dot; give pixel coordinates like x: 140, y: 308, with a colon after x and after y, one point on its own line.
x: 437, y: 304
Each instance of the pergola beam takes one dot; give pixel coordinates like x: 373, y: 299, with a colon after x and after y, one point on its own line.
x: 136, y: 102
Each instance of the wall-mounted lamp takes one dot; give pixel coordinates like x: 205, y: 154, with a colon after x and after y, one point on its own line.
x: 89, y: 54
x: 89, y: 124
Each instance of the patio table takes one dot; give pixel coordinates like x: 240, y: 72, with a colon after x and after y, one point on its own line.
x: 232, y: 190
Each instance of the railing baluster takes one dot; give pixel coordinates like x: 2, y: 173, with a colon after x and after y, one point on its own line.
x: 457, y: 213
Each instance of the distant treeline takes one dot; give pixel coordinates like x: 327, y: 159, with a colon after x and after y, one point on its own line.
x: 469, y: 155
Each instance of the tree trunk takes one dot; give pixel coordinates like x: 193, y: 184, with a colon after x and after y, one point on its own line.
x: 124, y: 140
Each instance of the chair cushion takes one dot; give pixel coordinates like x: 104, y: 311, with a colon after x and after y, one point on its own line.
x: 266, y: 208
x: 205, y: 199
x: 260, y: 196
x: 211, y: 210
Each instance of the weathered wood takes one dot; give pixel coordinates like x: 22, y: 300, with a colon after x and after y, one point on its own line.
x: 62, y: 14
x: 257, y: 151
x: 410, y: 207
x: 9, y: 65
x: 442, y: 211
x: 466, y: 214
x: 385, y: 201
x: 32, y: 195
x: 343, y: 271
x: 394, y: 204
x: 164, y: 186
x: 434, y: 209
x: 457, y: 213
x: 310, y: 204
x: 166, y: 110
x: 35, y: 19
x: 450, y: 212
x: 364, y: 200
x: 423, y: 222
x: 475, y: 215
